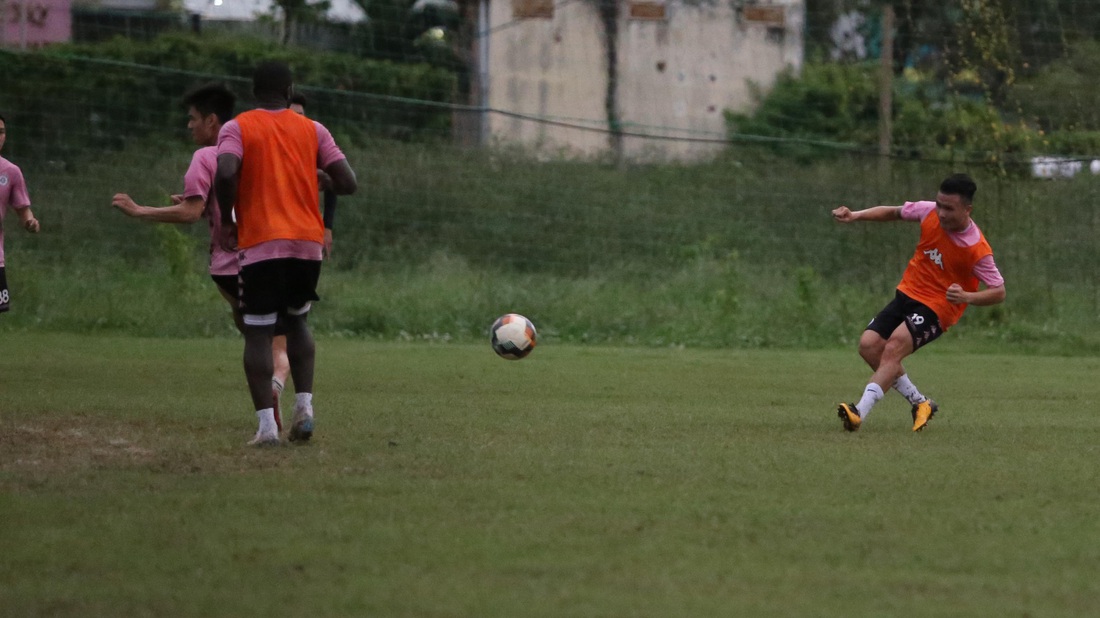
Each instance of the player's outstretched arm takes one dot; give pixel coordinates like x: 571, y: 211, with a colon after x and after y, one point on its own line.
x: 186, y: 211
x: 844, y: 214
x: 30, y: 223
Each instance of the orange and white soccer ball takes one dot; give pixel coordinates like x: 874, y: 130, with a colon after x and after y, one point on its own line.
x: 513, y: 336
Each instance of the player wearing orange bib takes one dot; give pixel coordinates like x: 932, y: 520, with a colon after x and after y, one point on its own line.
x: 267, y: 173
x: 951, y: 262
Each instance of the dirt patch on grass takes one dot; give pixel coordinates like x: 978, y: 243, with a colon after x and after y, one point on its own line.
x: 48, y: 447
x: 55, y: 445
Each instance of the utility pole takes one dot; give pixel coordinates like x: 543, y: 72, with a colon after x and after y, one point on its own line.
x: 886, y: 88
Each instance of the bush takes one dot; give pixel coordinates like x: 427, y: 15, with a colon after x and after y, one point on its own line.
x: 1073, y: 143
x: 837, y: 105
x: 832, y: 102
x: 137, y: 86
x: 1063, y: 95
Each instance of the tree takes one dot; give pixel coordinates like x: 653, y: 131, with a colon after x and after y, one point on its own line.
x: 608, y: 11
x: 300, y: 11
x: 413, y: 30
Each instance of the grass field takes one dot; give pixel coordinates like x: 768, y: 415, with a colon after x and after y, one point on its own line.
x: 582, y: 481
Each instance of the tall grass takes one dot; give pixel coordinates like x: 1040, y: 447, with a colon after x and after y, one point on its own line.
x: 740, y: 252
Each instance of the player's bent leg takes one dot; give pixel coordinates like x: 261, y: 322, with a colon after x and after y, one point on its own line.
x: 228, y: 288
x: 280, y: 373
x: 896, y: 349
x: 279, y: 359
x: 871, y: 346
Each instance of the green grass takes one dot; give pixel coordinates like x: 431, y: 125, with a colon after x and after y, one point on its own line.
x: 582, y: 481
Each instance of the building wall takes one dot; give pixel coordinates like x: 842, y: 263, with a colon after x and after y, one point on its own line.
x: 677, y: 74
x: 32, y: 23
x: 547, y: 68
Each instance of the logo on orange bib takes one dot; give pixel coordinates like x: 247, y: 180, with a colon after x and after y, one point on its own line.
x: 935, y: 256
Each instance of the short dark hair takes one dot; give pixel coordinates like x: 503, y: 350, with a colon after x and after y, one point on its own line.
x: 272, y: 78
x: 2, y: 119
x: 298, y: 98
x: 961, y: 185
x: 212, y: 98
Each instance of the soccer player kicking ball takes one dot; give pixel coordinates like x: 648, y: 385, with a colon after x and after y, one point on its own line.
x: 942, y: 278
x: 267, y: 171
x: 13, y: 194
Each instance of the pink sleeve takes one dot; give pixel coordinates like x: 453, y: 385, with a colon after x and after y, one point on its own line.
x: 18, y: 197
x: 986, y: 271
x: 199, y: 178
x: 327, y: 150
x: 229, y: 140
x: 916, y: 211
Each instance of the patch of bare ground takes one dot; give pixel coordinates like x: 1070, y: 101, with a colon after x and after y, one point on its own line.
x: 32, y: 451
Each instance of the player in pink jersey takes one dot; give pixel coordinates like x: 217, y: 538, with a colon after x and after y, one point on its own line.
x: 13, y: 194
x: 952, y: 259
x: 208, y: 108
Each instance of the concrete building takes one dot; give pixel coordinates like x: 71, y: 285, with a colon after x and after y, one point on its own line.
x: 32, y: 23
x: 542, y: 66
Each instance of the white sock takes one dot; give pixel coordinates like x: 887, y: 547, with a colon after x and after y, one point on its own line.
x: 871, y: 395
x: 277, y: 385
x: 267, y: 420
x: 304, y: 401
x: 909, y: 390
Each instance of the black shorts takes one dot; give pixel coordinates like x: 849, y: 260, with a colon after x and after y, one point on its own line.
x: 272, y: 288
x: 922, y: 322
x: 231, y: 285
x: 5, y: 295
x: 228, y: 284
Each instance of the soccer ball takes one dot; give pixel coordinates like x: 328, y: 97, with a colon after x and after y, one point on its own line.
x: 513, y: 336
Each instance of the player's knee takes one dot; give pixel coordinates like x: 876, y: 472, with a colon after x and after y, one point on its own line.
x: 870, y: 345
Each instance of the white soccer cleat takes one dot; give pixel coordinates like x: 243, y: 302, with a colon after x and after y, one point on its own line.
x: 262, y: 439
x: 301, y: 430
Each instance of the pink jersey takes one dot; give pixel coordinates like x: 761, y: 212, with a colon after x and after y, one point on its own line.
x: 230, y: 142
x: 13, y: 194
x: 199, y: 182
x: 986, y: 269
